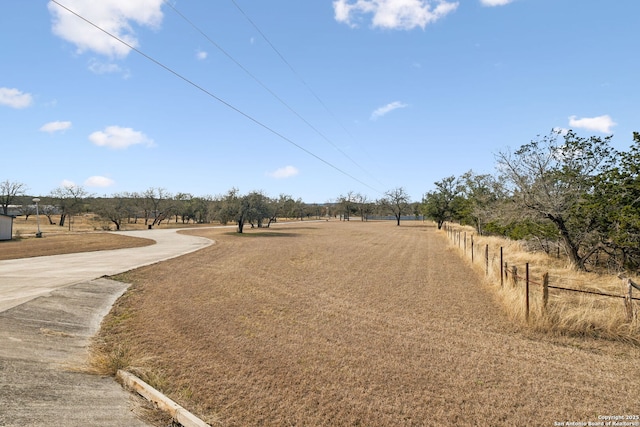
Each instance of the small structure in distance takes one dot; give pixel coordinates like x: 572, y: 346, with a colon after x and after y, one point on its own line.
x: 6, y: 227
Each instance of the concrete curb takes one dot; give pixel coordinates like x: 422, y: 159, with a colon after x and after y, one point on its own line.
x: 179, y: 414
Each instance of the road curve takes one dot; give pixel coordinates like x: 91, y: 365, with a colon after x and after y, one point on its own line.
x: 22, y: 280
x: 50, y: 307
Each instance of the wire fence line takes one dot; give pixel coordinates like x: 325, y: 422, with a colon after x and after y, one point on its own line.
x: 510, y: 275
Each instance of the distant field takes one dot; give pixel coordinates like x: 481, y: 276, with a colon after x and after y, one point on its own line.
x: 351, y: 323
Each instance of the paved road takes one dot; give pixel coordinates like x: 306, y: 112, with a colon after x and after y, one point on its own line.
x: 24, y: 279
x: 50, y: 307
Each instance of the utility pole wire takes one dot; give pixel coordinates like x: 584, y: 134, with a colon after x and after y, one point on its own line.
x: 222, y: 101
x: 243, y: 68
x: 295, y: 73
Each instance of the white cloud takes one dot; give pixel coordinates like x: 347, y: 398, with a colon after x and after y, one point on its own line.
x: 14, y: 98
x: 285, y: 172
x: 114, y: 16
x: 57, y: 126
x: 201, y: 55
x: 99, y: 67
x: 393, y: 14
x: 117, y: 137
x: 68, y: 184
x: 99, y: 181
x: 495, y: 2
x: 387, y: 109
x: 598, y: 124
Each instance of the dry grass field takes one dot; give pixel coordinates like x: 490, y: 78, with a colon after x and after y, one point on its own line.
x: 347, y: 324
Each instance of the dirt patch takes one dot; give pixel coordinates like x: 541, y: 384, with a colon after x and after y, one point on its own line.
x: 354, y: 324
x: 67, y: 244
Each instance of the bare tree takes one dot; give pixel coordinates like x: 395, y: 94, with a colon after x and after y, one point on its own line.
x: 157, y: 205
x: 365, y: 206
x: 397, y: 200
x: 347, y: 204
x: 9, y: 191
x: 27, y: 209
x: 69, y: 200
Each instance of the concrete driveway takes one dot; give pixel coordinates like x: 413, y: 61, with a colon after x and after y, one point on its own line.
x: 24, y: 279
x: 50, y: 307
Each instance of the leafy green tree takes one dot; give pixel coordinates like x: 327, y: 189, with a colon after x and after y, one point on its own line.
x: 252, y: 208
x: 550, y: 179
x: 185, y: 207
x: 442, y: 204
x: 480, y: 199
x: 259, y: 207
x: 115, y: 208
x: 232, y: 209
x: 615, y: 206
x: 203, y: 208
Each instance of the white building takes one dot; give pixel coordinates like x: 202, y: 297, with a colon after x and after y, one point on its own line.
x: 6, y: 227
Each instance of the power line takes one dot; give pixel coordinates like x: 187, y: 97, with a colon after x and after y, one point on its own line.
x: 299, y: 77
x: 243, y: 68
x: 222, y: 101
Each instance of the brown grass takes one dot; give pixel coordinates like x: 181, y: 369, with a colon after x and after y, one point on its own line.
x: 569, y: 313
x: 67, y: 243
x: 85, y: 236
x: 84, y: 223
x: 336, y: 324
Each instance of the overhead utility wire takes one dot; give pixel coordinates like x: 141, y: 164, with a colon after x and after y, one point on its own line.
x: 222, y: 101
x: 243, y: 68
x: 253, y: 24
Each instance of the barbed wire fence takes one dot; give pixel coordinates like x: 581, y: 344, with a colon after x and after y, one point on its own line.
x: 535, y: 282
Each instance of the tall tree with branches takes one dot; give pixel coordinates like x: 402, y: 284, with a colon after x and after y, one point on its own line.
x: 550, y: 179
x: 397, y: 200
x: 9, y: 192
x: 441, y: 204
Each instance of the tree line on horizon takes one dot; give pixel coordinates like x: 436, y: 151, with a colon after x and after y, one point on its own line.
x: 560, y: 191
x: 156, y: 205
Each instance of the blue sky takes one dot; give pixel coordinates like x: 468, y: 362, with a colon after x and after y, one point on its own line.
x: 308, y: 98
